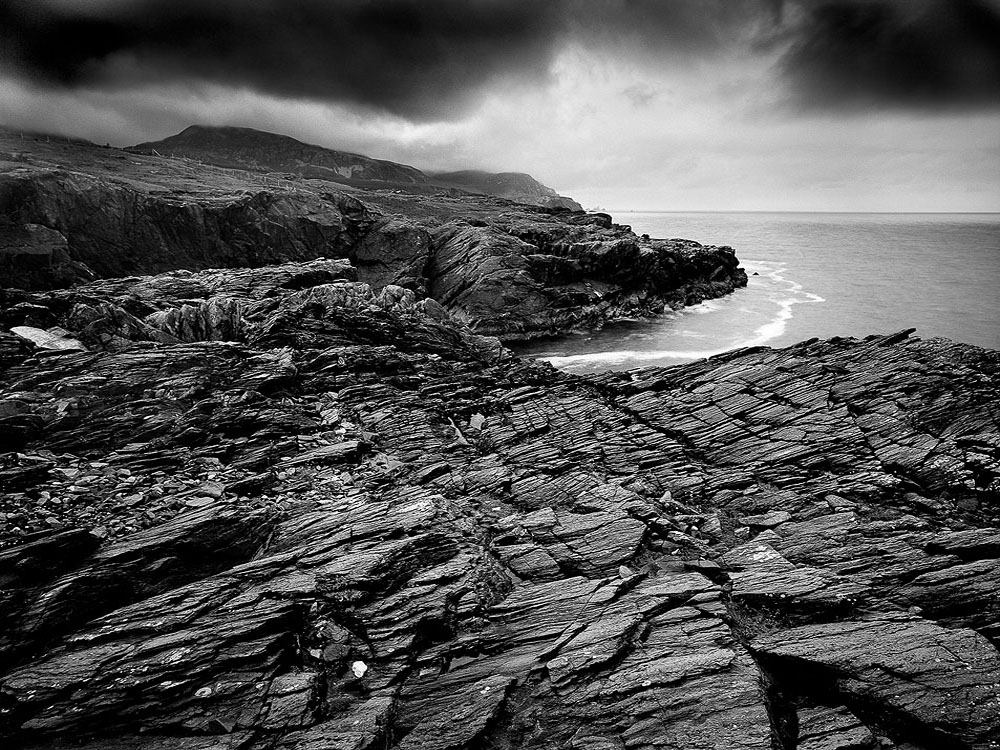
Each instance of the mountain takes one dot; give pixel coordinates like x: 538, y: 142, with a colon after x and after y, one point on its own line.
x: 246, y: 148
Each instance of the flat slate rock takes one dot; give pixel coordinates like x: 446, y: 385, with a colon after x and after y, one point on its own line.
x: 929, y: 681
x: 201, y: 540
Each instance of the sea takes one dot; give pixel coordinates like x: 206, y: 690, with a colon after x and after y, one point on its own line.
x: 810, y: 275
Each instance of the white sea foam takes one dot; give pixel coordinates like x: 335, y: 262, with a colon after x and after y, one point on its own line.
x: 708, y: 306
x: 777, y: 325
x: 784, y: 294
x: 622, y: 356
x: 686, y: 334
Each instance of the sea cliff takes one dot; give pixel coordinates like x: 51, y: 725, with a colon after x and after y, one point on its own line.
x: 72, y: 212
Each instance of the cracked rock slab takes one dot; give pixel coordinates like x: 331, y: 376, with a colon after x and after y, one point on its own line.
x: 909, y: 673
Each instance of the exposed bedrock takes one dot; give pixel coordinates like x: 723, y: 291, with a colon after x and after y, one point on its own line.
x: 506, y: 269
x: 519, y: 278
x: 323, y: 516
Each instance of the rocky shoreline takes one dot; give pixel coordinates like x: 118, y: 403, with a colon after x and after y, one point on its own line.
x: 503, y: 268
x: 314, y: 504
x: 766, y: 545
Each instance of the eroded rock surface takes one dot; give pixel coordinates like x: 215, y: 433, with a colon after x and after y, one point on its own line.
x: 276, y: 508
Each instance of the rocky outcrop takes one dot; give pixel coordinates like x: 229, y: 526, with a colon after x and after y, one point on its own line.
x: 318, y: 515
x: 935, y: 685
x: 303, y: 305
x: 520, y: 278
x: 505, y: 270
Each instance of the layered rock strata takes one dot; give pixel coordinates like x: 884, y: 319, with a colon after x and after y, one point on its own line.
x: 278, y: 508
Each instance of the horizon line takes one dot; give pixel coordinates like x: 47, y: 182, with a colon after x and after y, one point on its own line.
x: 773, y: 211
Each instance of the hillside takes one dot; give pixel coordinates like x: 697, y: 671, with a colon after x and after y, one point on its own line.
x: 516, y: 186
x: 246, y: 148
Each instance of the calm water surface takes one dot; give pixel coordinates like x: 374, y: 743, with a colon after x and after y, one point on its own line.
x: 817, y: 275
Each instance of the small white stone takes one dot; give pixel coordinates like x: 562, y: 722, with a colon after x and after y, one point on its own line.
x: 359, y: 668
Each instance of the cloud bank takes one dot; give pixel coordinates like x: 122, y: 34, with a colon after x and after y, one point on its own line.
x: 911, y: 53
x: 432, y: 60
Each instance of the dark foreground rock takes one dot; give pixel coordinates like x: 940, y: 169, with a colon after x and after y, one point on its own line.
x: 72, y: 213
x: 280, y: 509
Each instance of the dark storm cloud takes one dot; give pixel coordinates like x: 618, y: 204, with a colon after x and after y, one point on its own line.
x: 407, y: 56
x: 668, y: 27
x: 418, y: 58
x: 909, y: 53
x: 426, y: 59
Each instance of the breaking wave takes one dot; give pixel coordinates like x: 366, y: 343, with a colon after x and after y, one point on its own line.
x: 776, y: 298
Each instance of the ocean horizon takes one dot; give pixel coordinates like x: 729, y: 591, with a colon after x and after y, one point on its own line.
x: 812, y: 274
x: 614, y: 211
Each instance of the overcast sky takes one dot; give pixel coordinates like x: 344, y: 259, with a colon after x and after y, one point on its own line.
x: 843, y: 105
